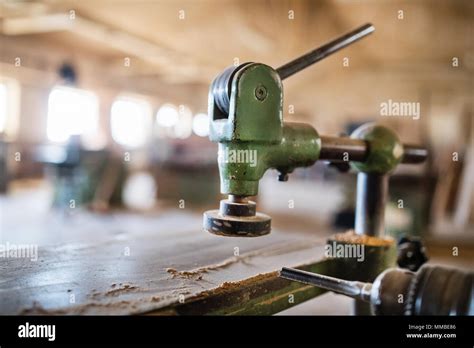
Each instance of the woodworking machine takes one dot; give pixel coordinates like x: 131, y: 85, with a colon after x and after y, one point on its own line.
x: 245, y: 109
x: 246, y: 119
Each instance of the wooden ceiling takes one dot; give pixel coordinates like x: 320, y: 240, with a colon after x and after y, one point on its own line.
x: 166, y: 47
x: 213, y: 33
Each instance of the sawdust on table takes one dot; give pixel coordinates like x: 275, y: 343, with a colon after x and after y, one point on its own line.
x: 351, y: 237
x: 193, y: 274
x: 38, y: 309
x: 85, y: 308
x: 122, y: 288
x: 228, y: 286
x: 197, y: 273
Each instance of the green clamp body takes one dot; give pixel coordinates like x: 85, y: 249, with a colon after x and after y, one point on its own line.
x: 250, y: 130
x: 246, y: 119
x: 246, y: 107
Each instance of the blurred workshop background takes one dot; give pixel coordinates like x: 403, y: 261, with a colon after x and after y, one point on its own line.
x: 103, y: 110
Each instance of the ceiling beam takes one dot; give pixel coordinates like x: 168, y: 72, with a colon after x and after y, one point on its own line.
x: 171, y: 63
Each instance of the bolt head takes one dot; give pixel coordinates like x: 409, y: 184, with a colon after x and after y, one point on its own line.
x: 260, y: 92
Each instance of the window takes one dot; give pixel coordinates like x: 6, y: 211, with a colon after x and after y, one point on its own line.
x: 174, y: 122
x: 201, y: 125
x: 9, y: 106
x: 71, y: 111
x: 3, y: 107
x: 167, y: 116
x: 184, y: 127
x: 130, y: 122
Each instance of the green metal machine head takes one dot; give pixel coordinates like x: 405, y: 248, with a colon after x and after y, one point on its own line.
x: 251, y: 133
x: 246, y: 119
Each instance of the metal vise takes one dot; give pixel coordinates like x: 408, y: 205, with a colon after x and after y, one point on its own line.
x: 246, y: 119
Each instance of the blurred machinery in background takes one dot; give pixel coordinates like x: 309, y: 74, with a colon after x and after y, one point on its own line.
x: 83, y: 177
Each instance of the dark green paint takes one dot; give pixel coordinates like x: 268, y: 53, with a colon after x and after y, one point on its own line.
x: 385, y: 149
x: 254, y: 125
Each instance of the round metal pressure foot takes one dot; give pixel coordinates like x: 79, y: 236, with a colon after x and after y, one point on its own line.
x: 237, y: 219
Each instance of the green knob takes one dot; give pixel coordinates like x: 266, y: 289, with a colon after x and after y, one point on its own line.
x: 385, y: 151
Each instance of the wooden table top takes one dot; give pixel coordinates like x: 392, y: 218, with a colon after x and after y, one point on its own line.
x: 126, y: 263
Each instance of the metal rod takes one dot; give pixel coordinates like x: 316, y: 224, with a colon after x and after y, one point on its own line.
x: 342, y: 149
x: 354, y: 289
x: 322, y: 52
x: 238, y: 199
x: 347, y: 149
x: 414, y: 154
x: 372, y: 191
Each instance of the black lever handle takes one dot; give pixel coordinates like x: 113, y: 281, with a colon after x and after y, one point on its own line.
x: 322, y: 52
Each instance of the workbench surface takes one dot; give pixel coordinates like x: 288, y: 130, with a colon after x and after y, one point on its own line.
x: 126, y: 263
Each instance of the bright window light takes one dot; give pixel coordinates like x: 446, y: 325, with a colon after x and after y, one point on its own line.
x: 3, y: 107
x: 9, y: 107
x: 201, y: 125
x: 139, y: 191
x: 174, y: 122
x: 71, y: 111
x: 184, y: 127
x: 130, y: 122
x: 167, y: 116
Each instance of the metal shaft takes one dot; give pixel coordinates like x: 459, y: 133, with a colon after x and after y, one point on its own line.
x: 337, y: 148
x: 322, y: 52
x: 414, y: 154
x: 372, y: 191
x: 354, y: 289
x: 342, y: 149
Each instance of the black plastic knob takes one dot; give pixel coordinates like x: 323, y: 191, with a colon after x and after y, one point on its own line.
x: 411, y: 253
